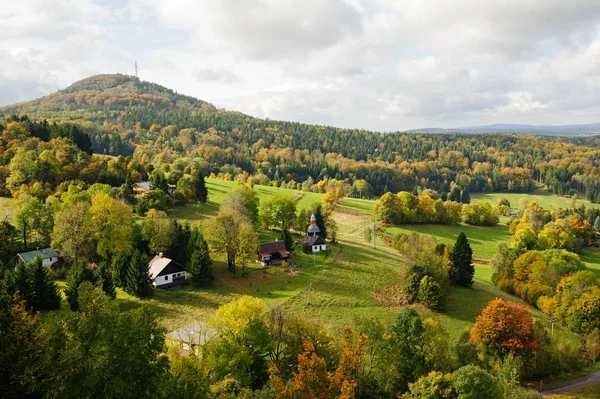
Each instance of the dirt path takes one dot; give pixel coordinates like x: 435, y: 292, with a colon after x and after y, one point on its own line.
x: 577, y: 384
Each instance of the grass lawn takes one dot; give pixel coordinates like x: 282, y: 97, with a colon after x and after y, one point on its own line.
x: 591, y: 392
x: 483, y: 239
x: 7, y: 208
x: 545, y: 199
x: 591, y: 257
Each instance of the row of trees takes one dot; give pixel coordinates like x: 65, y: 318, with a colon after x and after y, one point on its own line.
x: 428, y: 207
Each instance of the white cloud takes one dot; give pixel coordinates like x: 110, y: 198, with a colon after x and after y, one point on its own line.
x: 382, y: 64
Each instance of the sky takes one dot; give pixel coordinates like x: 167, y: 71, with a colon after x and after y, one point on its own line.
x: 383, y: 65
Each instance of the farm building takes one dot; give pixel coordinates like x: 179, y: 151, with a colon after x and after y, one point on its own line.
x: 166, y: 273
x: 313, y: 244
x: 48, y: 256
x: 140, y: 188
x: 270, y: 253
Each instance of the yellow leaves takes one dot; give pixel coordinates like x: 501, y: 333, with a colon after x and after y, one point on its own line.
x: 235, y: 317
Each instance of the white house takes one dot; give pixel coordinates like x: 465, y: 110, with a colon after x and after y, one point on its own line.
x: 166, y: 273
x: 313, y: 244
x: 48, y: 256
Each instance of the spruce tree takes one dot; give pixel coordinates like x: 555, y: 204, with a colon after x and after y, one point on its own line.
x: 200, y: 190
x: 119, y: 270
x: 200, y: 266
x: 462, y: 262
x: 42, y: 292
x: 105, y: 281
x: 79, y: 273
x: 138, y: 281
x: 465, y: 196
x: 159, y: 182
x: 320, y: 221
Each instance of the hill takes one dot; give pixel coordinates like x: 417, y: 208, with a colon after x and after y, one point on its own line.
x: 124, y: 116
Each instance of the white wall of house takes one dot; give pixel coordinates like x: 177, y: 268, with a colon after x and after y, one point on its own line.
x: 318, y: 248
x: 167, y: 278
x: 49, y: 261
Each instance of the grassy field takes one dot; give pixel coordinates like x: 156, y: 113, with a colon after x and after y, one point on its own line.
x: 335, y: 287
x: 544, y: 198
x: 591, y: 392
x: 483, y: 239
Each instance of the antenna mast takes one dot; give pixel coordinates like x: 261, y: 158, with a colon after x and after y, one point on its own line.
x: 136, y: 74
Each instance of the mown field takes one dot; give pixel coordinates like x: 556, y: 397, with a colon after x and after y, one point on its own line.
x: 544, y: 198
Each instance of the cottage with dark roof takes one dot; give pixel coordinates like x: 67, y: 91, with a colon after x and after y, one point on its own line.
x: 270, y: 253
x: 313, y: 244
x: 166, y: 273
x: 48, y: 256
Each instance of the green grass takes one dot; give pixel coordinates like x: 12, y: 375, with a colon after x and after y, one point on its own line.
x: 343, y: 283
x: 483, y: 239
x: 591, y: 257
x: 7, y: 209
x: 590, y: 392
x: 545, y: 199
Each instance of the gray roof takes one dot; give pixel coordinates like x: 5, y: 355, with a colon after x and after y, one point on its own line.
x: 144, y: 185
x: 313, y: 240
x: 194, y: 333
x: 42, y: 253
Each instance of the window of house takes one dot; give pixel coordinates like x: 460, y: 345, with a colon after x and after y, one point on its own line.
x: 166, y: 278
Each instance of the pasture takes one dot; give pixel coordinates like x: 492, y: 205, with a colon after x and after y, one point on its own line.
x: 544, y: 198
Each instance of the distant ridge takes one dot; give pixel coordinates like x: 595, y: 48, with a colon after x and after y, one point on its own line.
x: 590, y: 129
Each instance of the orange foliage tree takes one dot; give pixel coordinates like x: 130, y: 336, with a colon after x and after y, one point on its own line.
x: 505, y: 327
x: 312, y: 380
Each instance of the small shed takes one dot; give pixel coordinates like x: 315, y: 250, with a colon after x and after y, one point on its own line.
x: 311, y: 244
x: 166, y: 273
x: 140, y: 188
x: 270, y: 253
x: 48, y: 256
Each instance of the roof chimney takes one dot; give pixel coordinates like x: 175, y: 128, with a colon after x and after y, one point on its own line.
x: 160, y: 255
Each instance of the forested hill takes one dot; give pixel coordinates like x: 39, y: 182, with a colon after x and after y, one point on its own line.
x: 155, y: 125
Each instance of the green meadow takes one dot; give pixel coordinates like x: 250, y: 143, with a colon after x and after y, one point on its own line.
x: 544, y: 198
x: 348, y: 281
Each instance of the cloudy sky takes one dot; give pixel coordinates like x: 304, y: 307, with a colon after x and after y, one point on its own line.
x: 378, y: 64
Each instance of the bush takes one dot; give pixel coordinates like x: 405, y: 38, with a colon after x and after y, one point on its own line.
x: 471, y: 382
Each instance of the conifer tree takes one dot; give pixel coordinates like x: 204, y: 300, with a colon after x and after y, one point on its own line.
x: 105, y: 281
x: 43, y: 292
x: 465, y: 196
x: 79, y: 273
x: 201, y: 266
x: 200, y: 190
x: 138, y: 282
x: 320, y: 221
x: 462, y: 262
x: 119, y: 270
x: 159, y: 182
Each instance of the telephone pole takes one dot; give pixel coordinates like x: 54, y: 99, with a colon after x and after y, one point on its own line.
x: 136, y: 72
